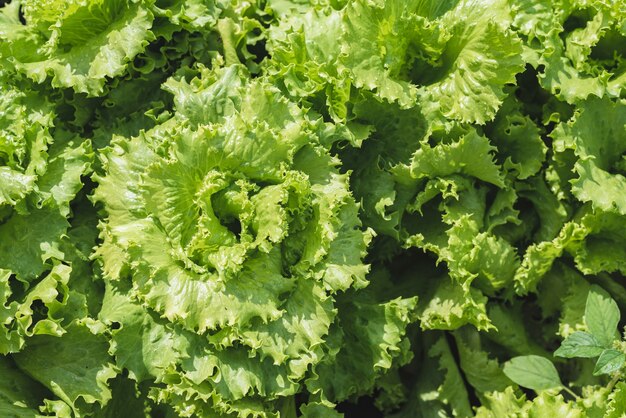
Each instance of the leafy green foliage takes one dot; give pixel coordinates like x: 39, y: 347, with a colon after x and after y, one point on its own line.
x: 601, y: 318
x: 315, y: 208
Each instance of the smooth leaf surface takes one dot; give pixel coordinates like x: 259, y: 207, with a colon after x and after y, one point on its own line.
x: 609, y: 362
x: 580, y: 344
x: 533, y: 372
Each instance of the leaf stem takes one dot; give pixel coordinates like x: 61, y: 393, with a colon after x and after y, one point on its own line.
x: 613, y: 382
x: 226, y: 27
x: 571, y: 392
x: 287, y: 407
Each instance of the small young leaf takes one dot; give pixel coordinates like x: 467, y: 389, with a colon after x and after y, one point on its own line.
x: 533, y: 372
x: 579, y: 344
x: 601, y: 315
x: 609, y: 361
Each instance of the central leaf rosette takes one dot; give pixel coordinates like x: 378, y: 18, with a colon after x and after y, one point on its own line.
x: 230, y: 227
x: 214, y: 220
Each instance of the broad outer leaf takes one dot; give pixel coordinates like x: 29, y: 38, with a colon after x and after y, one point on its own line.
x: 76, y: 365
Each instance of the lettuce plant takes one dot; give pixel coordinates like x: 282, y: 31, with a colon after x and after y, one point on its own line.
x: 316, y: 208
x: 229, y: 232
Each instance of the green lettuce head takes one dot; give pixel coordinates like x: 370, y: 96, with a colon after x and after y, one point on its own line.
x: 230, y: 237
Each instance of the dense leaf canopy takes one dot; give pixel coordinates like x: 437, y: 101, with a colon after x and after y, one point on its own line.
x: 316, y: 208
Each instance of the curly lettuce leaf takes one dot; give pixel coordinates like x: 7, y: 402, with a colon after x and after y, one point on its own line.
x: 377, y: 37
x: 517, y: 138
x: 480, y: 56
x: 393, y: 50
x: 596, y: 136
x: 79, y: 44
x: 41, y: 168
x: 306, y: 63
x: 447, y: 306
x: 509, y: 403
x: 578, y: 46
x: 604, y: 246
x: 368, y: 333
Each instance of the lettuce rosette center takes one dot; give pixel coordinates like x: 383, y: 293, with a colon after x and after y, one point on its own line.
x: 216, y: 219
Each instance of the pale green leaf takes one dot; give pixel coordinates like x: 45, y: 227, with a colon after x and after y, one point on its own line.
x: 616, y: 407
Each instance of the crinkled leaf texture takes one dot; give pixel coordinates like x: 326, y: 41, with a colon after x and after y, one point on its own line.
x: 253, y: 158
x: 508, y: 403
x: 76, y: 43
x: 41, y: 168
x: 453, y: 58
x: 597, y: 135
x: 229, y: 240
